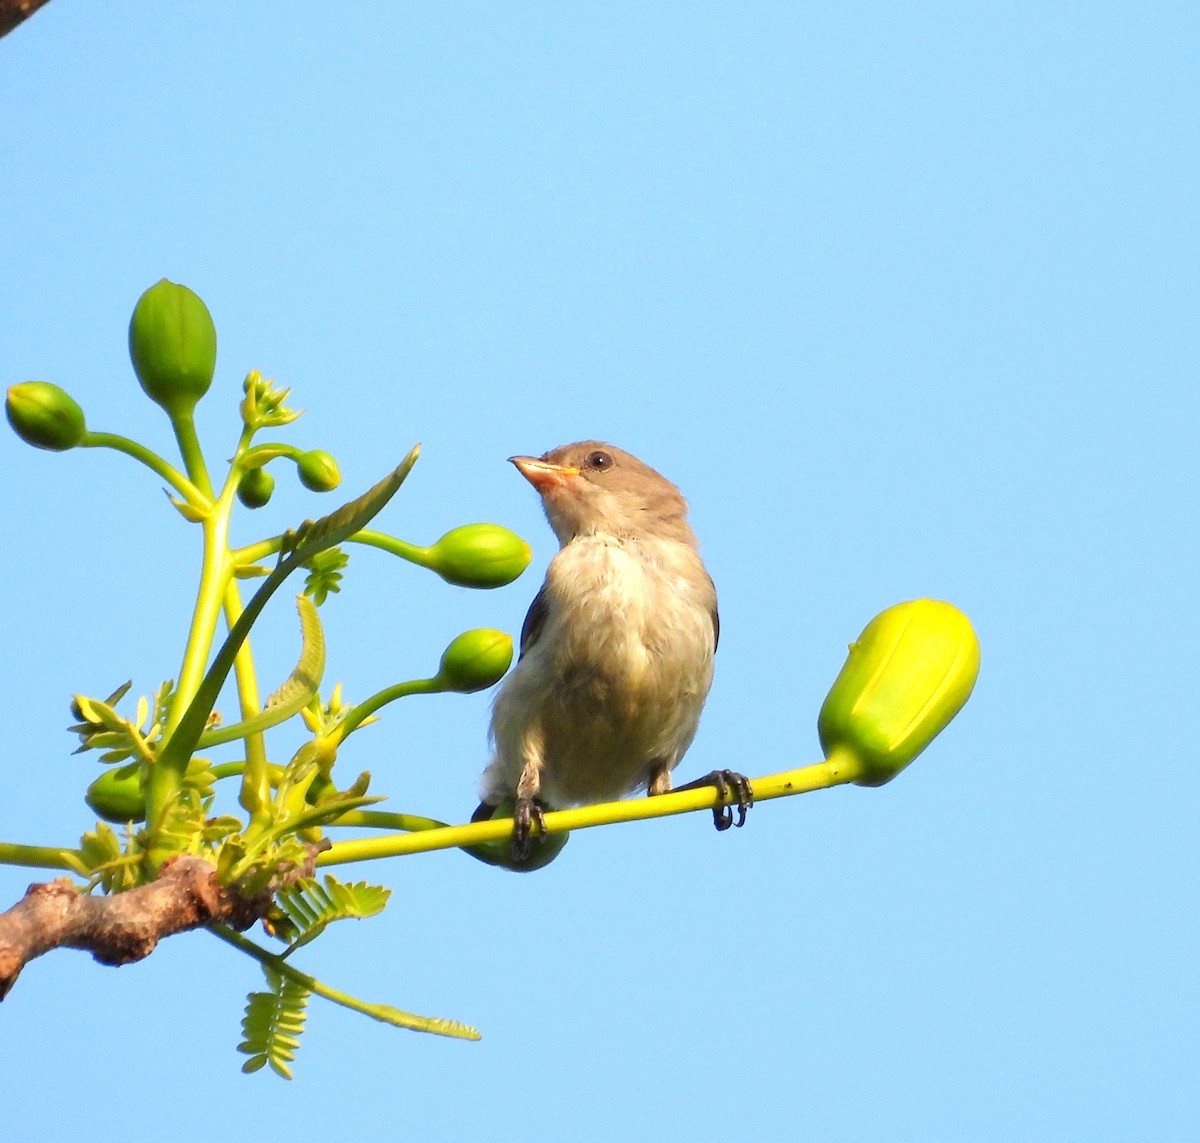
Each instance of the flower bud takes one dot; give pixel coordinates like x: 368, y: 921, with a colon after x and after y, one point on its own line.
x: 173, y: 345
x: 118, y: 796
x: 44, y: 416
x: 318, y: 471
x: 475, y: 660
x: 543, y: 849
x: 255, y: 487
x: 906, y: 677
x: 479, y: 555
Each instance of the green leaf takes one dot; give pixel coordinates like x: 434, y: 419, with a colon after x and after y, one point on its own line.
x: 273, y: 1024
x: 293, y: 694
x: 325, y: 574
x: 119, y: 693
x: 312, y: 907
x: 100, y: 846
x: 96, y: 713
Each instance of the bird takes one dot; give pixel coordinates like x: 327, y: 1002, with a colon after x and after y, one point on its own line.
x: 616, y: 651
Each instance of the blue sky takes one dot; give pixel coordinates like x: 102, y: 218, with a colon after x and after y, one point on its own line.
x: 904, y: 300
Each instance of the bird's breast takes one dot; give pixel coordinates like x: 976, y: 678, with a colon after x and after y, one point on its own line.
x: 631, y: 617
x: 613, y: 685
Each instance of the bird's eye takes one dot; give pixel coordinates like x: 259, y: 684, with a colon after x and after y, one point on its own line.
x: 598, y: 460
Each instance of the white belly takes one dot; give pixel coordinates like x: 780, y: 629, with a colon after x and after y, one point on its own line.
x: 613, y: 687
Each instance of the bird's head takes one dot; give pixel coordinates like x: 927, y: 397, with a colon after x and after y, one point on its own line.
x: 591, y: 488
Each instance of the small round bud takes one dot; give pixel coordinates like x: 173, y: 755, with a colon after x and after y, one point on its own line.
x: 44, y: 416
x: 543, y: 849
x: 173, y: 346
x: 479, y: 555
x: 255, y: 487
x: 118, y: 796
x: 318, y: 471
x: 475, y: 660
x: 906, y: 677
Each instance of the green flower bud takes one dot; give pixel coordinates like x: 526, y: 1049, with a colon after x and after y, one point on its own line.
x: 475, y: 660
x: 543, y: 849
x: 42, y: 415
x: 318, y: 471
x: 906, y: 677
x: 117, y: 795
x: 173, y: 345
x: 479, y: 555
x: 255, y: 487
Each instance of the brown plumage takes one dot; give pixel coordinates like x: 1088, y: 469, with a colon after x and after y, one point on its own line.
x: 617, y: 648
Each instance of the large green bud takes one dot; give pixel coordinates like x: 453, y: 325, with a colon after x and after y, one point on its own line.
x: 543, y: 848
x: 908, y: 674
x: 173, y: 345
x: 118, y: 795
x: 479, y: 555
x: 475, y: 660
x: 255, y: 487
x: 318, y: 471
x: 44, y: 416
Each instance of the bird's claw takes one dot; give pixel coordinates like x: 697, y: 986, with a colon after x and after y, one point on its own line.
x: 726, y: 782
x: 525, y: 814
x: 743, y: 798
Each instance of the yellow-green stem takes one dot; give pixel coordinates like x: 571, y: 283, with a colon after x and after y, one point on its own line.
x: 237, y: 769
x: 382, y: 819
x: 836, y: 770
x: 252, y: 553
x: 189, y: 449
x: 385, y: 1013
x: 411, y: 552
x: 356, y: 715
x: 41, y: 856
x: 256, y: 786
x: 216, y: 571
x: 152, y: 461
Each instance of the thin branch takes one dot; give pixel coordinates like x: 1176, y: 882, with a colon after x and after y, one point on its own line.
x: 14, y: 12
x: 837, y: 770
x: 126, y: 927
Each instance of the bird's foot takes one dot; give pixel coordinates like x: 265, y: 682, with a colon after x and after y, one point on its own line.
x: 733, y: 789
x: 525, y: 814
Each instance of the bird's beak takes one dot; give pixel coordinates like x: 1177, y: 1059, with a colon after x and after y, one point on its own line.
x: 543, y: 475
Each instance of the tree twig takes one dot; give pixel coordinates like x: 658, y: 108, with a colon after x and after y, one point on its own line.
x: 14, y: 12
x: 122, y: 928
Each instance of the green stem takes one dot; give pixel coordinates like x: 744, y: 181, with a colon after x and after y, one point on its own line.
x: 193, y: 703
x: 151, y: 460
x: 214, y: 574
x: 357, y: 714
x: 216, y: 571
x: 41, y: 856
x: 267, y: 451
x: 836, y: 770
x: 411, y: 552
x: 237, y: 769
x: 256, y: 784
x: 189, y: 449
x: 383, y: 1012
x: 380, y: 819
x: 252, y: 553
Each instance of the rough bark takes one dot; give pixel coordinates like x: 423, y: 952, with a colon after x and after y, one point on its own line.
x: 122, y: 928
x: 14, y: 12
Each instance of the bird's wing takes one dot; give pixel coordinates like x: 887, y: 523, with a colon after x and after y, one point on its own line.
x: 715, y: 617
x: 535, y: 620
